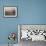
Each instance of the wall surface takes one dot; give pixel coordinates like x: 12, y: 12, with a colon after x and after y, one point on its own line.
x: 29, y: 12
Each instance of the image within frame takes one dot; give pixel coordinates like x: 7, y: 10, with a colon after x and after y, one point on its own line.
x: 10, y: 11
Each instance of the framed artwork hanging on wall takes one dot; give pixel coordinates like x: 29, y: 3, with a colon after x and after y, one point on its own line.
x: 10, y: 11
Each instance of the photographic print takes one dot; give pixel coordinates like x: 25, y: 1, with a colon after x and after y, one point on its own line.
x: 10, y: 11
x: 32, y: 32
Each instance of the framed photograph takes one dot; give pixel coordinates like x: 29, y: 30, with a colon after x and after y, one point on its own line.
x: 33, y: 32
x: 10, y: 11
